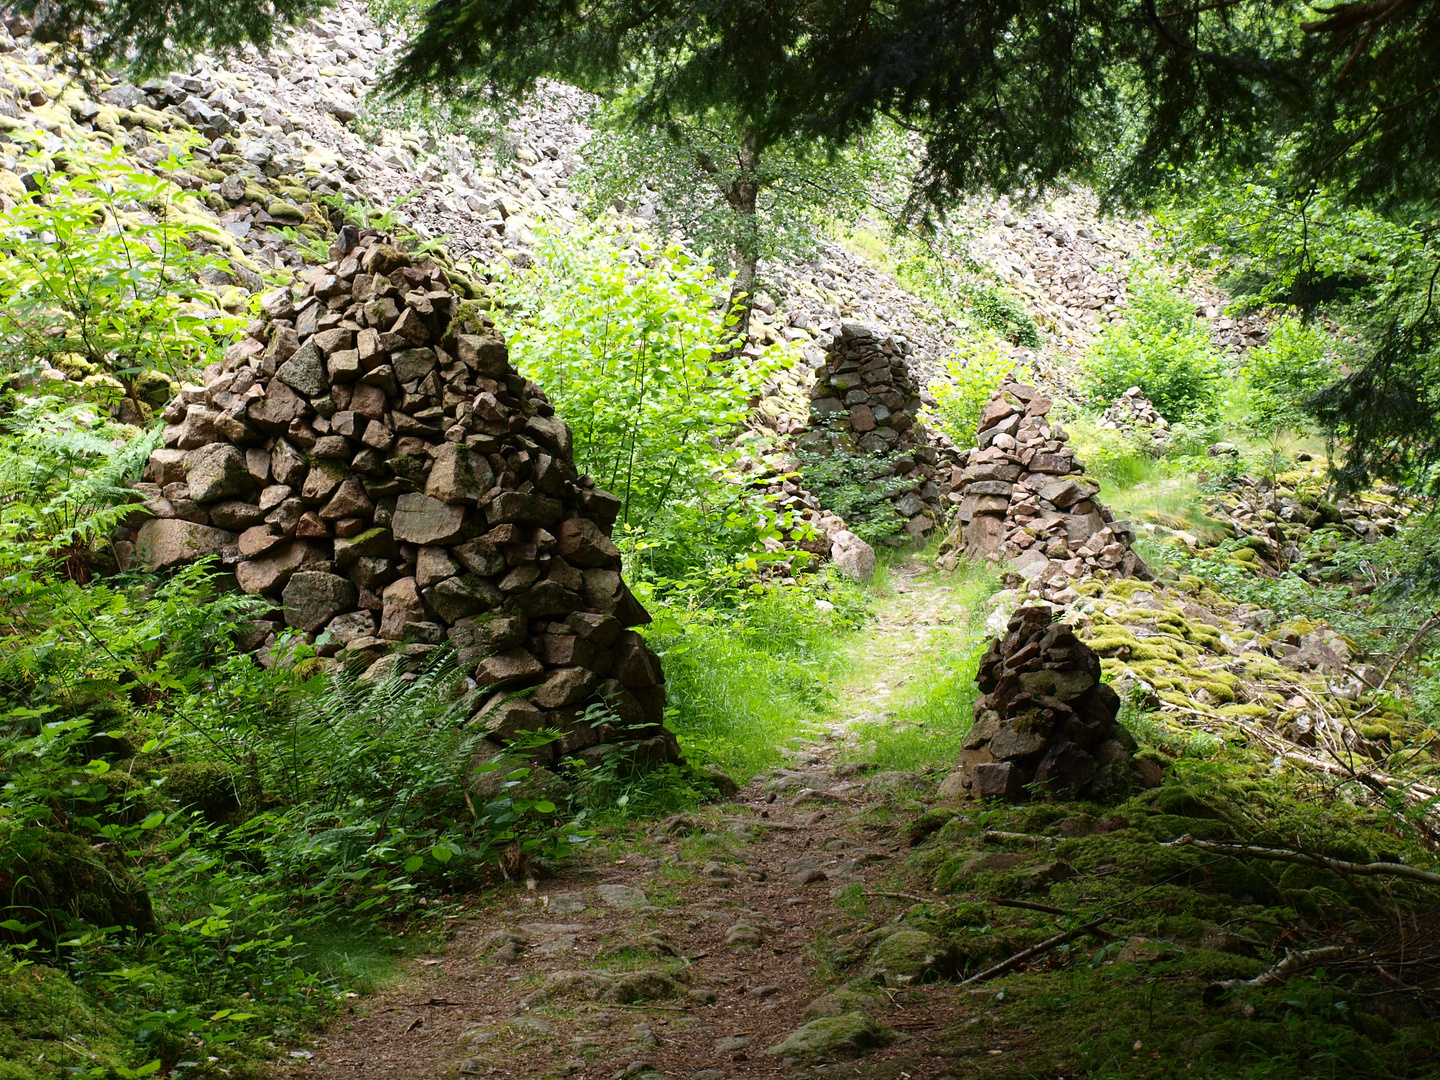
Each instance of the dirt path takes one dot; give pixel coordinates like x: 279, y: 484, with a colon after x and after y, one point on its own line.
x: 698, y: 945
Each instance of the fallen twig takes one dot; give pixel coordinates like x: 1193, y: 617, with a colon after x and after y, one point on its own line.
x: 1035, y: 950
x: 1339, y: 866
x: 906, y: 896
x: 1296, y: 960
x: 1397, y: 661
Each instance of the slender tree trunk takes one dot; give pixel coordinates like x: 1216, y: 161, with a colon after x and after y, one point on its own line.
x: 743, y: 195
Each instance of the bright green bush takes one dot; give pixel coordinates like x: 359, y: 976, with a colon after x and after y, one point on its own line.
x: 1297, y: 360
x: 632, y: 344
x: 100, y: 273
x: 1161, y: 347
x: 978, y: 365
x: 742, y: 684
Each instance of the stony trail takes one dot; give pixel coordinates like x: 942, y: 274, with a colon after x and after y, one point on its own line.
x: 694, y: 946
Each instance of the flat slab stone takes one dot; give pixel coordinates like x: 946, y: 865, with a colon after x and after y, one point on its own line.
x: 622, y: 897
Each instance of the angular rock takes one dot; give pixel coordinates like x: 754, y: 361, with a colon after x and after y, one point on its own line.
x: 312, y: 599
x: 216, y: 471
x: 421, y: 519
x: 269, y: 572
x: 165, y: 543
x: 459, y: 475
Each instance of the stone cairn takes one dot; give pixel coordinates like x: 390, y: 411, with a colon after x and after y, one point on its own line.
x: 367, y: 459
x: 1134, y: 414
x: 1045, y: 719
x: 1022, y: 496
x: 865, y: 395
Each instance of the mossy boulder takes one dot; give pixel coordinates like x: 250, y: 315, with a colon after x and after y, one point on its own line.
x: 60, y: 878
x: 910, y: 956
x: 281, y: 210
x: 847, y: 1035
x: 204, y: 786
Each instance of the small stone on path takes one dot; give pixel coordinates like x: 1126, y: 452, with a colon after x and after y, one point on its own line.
x: 622, y: 897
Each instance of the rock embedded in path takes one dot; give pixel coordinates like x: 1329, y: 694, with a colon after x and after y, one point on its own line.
x: 622, y: 897
x: 1045, y: 720
x: 367, y: 460
x: 846, y: 1035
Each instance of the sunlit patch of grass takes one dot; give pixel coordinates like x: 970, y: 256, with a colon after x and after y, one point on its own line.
x: 1176, y: 504
x: 361, y: 959
x: 923, y: 725
x: 739, y: 691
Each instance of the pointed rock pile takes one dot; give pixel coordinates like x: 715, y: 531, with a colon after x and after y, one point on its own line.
x: 1022, y: 496
x: 367, y: 459
x: 866, y: 395
x: 1045, y: 719
x: 1134, y: 414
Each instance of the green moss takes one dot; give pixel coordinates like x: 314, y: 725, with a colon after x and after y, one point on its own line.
x: 62, y: 878
x: 470, y: 318
x: 1248, y: 710
x: 285, y: 211
x: 154, y: 387
x: 204, y: 786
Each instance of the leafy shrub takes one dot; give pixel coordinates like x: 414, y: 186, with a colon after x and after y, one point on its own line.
x: 1283, y: 374
x: 1161, y: 347
x: 629, y: 342
x: 100, y: 272
x: 977, y: 367
x: 856, y: 486
x: 62, y: 472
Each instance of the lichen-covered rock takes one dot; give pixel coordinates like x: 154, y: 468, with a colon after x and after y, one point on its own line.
x: 847, y: 1035
x: 1045, y: 721
x: 165, y: 543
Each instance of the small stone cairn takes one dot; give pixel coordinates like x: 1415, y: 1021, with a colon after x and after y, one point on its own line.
x: 367, y: 459
x: 1134, y: 414
x: 1045, y: 719
x: 866, y: 393
x: 1022, y: 496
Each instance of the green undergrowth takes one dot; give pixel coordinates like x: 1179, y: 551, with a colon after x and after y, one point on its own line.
x: 1141, y: 1001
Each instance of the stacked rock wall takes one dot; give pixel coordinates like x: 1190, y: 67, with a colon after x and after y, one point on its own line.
x: 1022, y: 496
x: 367, y: 459
x: 866, y: 398
x: 1045, y: 719
x: 1134, y: 413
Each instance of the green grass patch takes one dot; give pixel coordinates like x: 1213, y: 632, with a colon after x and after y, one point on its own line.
x: 922, y: 727
x: 741, y: 688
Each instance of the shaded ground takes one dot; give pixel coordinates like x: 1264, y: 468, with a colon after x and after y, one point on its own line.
x: 820, y: 925
x: 731, y: 936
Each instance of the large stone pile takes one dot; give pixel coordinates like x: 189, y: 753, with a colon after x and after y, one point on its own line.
x: 367, y: 459
x: 867, y: 399
x: 1134, y: 414
x: 1045, y: 719
x: 1022, y: 496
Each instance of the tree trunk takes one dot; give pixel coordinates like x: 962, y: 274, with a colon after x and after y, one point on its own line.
x: 743, y: 193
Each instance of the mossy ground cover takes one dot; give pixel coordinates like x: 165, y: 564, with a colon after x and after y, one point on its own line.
x: 1140, y: 1001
